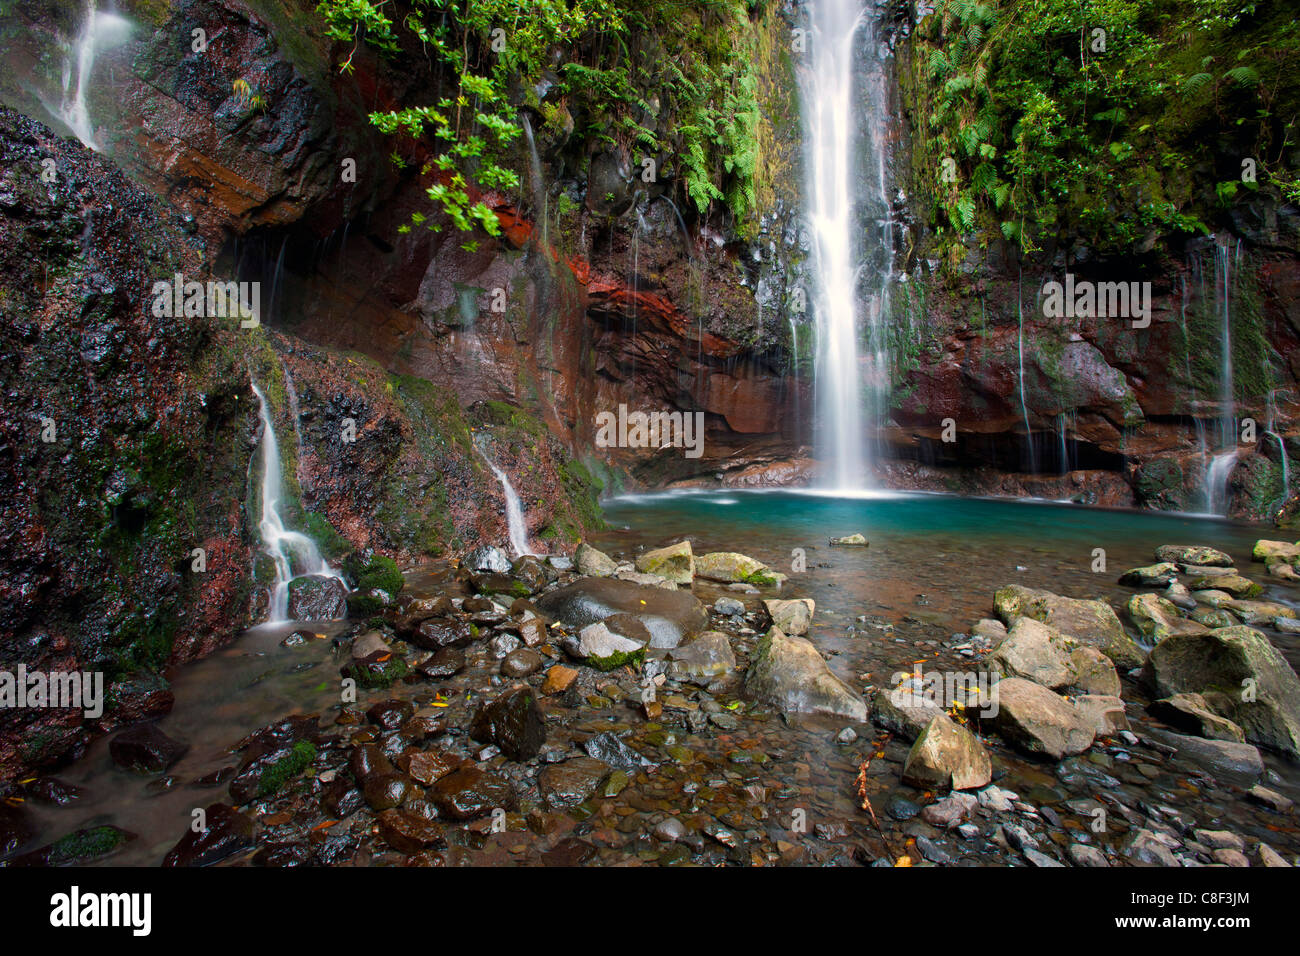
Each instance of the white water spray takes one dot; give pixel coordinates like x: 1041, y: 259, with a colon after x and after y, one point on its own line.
x: 514, y: 510
x: 293, y: 553
x: 100, y: 31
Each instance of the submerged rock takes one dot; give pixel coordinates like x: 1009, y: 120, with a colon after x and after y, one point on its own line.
x: 1089, y: 622
x: 675, y: 563
x: 855, y: 540
x: 225, y: 831
x: 703, y: 659
x: 669, y: 616
x: 1257, y: 689
x: 789, y: 673
x: 145, y: 749
x: 570, y: 782
x: 1226, y: 760
x: 947, y: 756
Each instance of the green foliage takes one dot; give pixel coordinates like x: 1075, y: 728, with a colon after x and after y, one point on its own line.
x: 379, y: 572
x: 298, y: 759
x: 1089, y: 117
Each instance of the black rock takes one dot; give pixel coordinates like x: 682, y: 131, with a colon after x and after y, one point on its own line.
x: 513, y: 722
x: 227, y: 831
x: 145, y: 749
x: 614, y: 752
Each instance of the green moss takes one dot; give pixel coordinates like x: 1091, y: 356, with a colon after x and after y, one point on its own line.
x: 86, y: 845
x: 381, y: 572
x: 633, y: 659
x: 298, y: 759
x: 332, y: 544
x: 762, y: 578
x: 380, y: 675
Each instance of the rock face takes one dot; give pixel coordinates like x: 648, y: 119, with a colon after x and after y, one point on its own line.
x: 1040, y: 722
x: 1089, y: 622
x: 788, y: 673
x: 669, y: 616
x: 513, y: 722
x: 947, y: 756
x: 1254, y: 685
x: 675, y: 563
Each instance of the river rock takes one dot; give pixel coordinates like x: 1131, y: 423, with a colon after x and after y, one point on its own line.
x: 1273, y: 551
x: 903, y: 711
x: 383, y: 791
x: 437, y: 633
x: 427, y: 767
x: 1152, y: 576
x: 1258, y: 612
x: 729, y: 607
x: 1192, y: 556
x: 703, y: 659
x: 409, y: 832
x: 468, y: 793
x: 1284, y: 571
x: 792, y: 617
x: 447, y: 662
x: 513, y: 722
x: 855, y: 540
x: 608, y: 749
x: 1040, y: 722
x: 1094, y: 673
x: 1148, y: 848
x: 789, y: 673
x: 1192, y: 714
x: 593, y: 563
x: 1155, y: 618
x: 676, y: 563
x: 1088, y: 622
x: 1222, y: 660
x: 558, y: 679
x: 1226, y: 760
x: 1104, y: 713
x: 947, y: 756
x: 1213, y: 617
x: 727, y: 566
x: 1213, y: 598
x: 521, y: 663
x: 411, y: 612
x: 368, y: 644
x: 1270, y: 857
x: 225, y: 831
x: 487, y: 560
x: 1035, y: 651
x: 532, y: 572
x: 669, y: 616
x: 597, y: 643
x: 570, y: 782
x: 1233, y: 584
x: 145, y: 749
x: 951, y: 811
x: 315, y: 597
x: 1081, y: 854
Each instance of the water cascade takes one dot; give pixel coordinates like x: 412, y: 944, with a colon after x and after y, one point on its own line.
x: 832, y: 145
x: 100, y: 31
x: 1224, y: 460
x: 293, y: 553
x: 518, y: 528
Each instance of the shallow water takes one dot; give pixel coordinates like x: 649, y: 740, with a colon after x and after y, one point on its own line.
x: 929, y: 573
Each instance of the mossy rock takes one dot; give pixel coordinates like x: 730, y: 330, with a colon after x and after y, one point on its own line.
x: 302, y: 756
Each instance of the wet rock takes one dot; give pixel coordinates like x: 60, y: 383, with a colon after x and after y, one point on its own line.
x: 730, y: 567
x: 1192, y: 556
x: 671, y: 830
x: 487, y: 560
x: 1040, y: 859
x: 53, y: 791
x: 600, y: 647
x: 1225, y: 759
x: 990, y: 630
x: 1153, y: 576
x: 77, y: 848
x: 383, y: 791
x: 503, y: 584
x: 1230, y: 857
x: 901, y: 809
x: 446, y: 662
x: 1192, y: 714
x: 669, y: 616
x: 521, y: 663
x: 558, y: 679
x: 369, y: 644
x: 1272, y: 551
x: 791, y: 617
x: 1040, y: 722
x: 1147, y: 848
x: 1156, y: 619
x: 1258, y: 612
x: 409, y: 832
x: 611, y: 751
x: 1034, y: 651
x: 789, y: 673
x: 1233, y: 584
x: 414, y: 611
x: 571, y: 782
x: 996, y: 799
x: 315, y: 597
x: 675, y: 563
x: 368, y: 760
x: 145, y: 749
x: 469, y: 793
x: 703, y: 659
x: 1269, y: 798
x: 1102, y: 712
x: 729, y: 607
x: 1270, y: 857
x: 390, y: 714
x: 532, y: 632
x: 1093, y: 623
x: 340, y: 799
x: 1218, y: 839
x: 947, y: 756
x: 1178, y: 595
x: 427, y: 767
x: 1226, y: 658
x: 532, y: 572
x: 225, y: 831
x: 903, y: 711
x: 434, y: 635
x: 855, y: 540
x: 1094, y: 673
x: 512, y: 722
x: 1081, y: 854
x: 502, y: 646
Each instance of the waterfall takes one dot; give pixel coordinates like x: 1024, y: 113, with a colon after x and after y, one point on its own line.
x: 1223, y: 461
x: 829, y: 108
x: 293, y: 553
x: 101, y: 30
x: 514, y: 510
x: 1020, y: 351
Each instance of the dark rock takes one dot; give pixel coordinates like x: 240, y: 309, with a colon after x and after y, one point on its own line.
x: 469, y: 793
x: 226, y: 831
x: 445, y: 663
x: 513, y: 722
x: 521, y: 663
x: 317, y: 598
x: 571, y: 782
x: 386, y: 790
x: 609, y: 749
x: 434, y: 635
x: 368, y: 760
x: 390, y: 714
x: 668, y: 616
x: 145, y: 749
x: 409, y: 832
x: 427, y: 767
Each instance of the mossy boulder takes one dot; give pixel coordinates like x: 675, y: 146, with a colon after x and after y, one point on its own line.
x: 1093, y: 623
x: 675, y: 563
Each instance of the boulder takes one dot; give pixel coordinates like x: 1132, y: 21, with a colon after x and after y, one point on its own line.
x: 1093, y: 623
x: 1226, y: 760
x: 703, y: 659
x: 487, y: 560
x: 730, y: 567
x: 1155, y: 618
x: 947, y: 756
x: 669, y: 616
x: 856, y: 540
x: 513, y: 722
x: 792, y: 617
x: 1192, y: 556
x: 1094, y: 673
x: 1152, y: 576
x: 1104, y: 713
x: 789, y: 673
x: 1255, y: 686
x: 676, y: 563
x: 594, y: 563
x: 1035, y: 651
x: 315, y: 597
x: 1276, y: 551
x: 1040, y: 722
x: 903, y: 711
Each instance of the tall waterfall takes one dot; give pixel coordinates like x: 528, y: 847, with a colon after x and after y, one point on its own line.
x: 837, y: 188
x: 515, y: 522
x: 293, y: 553
x: 100, y: 30
x: 1224, y: 460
